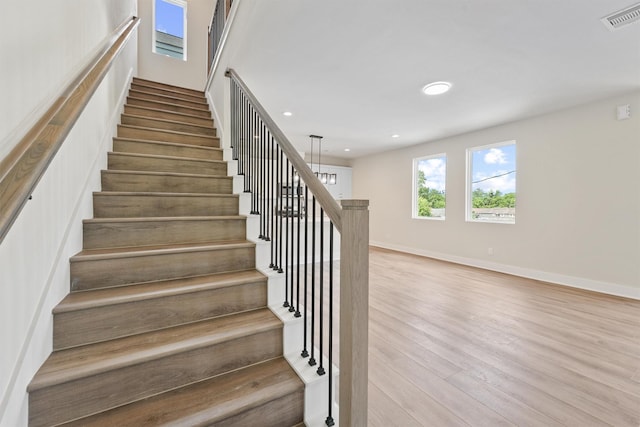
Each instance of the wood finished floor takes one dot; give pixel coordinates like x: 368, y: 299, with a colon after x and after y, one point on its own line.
x: 451, y: 345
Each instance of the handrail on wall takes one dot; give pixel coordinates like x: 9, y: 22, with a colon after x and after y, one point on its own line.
x: 22, y: 169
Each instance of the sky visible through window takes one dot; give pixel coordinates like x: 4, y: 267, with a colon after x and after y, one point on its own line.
x: 169, y: 18
x: 494, y: 169
x: 434, y: 172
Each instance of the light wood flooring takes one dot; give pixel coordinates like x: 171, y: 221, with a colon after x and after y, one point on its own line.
x: 451, y: 345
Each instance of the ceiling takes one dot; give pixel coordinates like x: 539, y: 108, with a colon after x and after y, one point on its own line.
x: 352, y: 71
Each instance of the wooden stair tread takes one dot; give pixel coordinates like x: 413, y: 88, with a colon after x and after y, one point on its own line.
x: 178, y: 94
x: 173, y: 132
x: 159, y: 156
x: 202, y: 101
x: 179, y: 174
x: 165, y: 143
x: 182, y: 116
x: 133, y: 251
x: 151, y: 83
x: 167, y: 121
x: 80, y: 362
x: 168, y: 104
x: 198, y: 105
x: 159, y: 194
x: 206, y: 402
x: 135, y: 292
x: 162, y: 218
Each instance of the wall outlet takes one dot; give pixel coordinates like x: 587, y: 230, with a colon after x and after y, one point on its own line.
x: 624, y: 112
x: 489, y: 251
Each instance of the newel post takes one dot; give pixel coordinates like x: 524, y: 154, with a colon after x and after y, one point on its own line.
x: 354, y: 312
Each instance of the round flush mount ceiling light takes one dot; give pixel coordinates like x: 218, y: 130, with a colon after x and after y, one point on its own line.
x: 436, y: 88
x: 347, y: 149
x: 395, y: 135
x: 287, y: 113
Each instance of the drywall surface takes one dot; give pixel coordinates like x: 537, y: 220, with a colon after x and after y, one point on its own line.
x: 34, y: 256
x: 38, y: 63
x: 191, y: 73
x: 578, y: 200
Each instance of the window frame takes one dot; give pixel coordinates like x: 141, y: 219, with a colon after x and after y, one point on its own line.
x: 182, y: 4
x: 414, y: 187
x: 469, y: 179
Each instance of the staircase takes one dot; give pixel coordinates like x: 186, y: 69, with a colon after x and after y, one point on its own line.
x: 167, y: 320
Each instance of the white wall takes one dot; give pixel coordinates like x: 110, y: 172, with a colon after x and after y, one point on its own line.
x: 578, y: 200
x: 34, y: 256
x: 191, y: 73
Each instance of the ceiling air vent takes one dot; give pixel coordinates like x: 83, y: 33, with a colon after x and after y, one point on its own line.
x: 619, y: 19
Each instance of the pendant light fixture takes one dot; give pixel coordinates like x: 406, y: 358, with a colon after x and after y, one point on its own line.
x: 325, y: 178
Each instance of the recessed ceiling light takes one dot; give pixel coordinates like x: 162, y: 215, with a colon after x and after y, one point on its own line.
x: 436, y: 88
x: 347, y: 149
x: 395, y: 135
x: 287, y: 113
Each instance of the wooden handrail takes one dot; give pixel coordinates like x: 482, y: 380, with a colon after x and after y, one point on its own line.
x: 22, y: 169
x: 323, y: 196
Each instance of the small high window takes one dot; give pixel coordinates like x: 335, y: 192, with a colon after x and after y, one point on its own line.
x: 169, y: 28
x: 429, y: 181
x: 491, y: 183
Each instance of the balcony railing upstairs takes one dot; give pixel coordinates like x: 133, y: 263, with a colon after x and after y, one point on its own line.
x: 216, y: 29
x: 301, y: 221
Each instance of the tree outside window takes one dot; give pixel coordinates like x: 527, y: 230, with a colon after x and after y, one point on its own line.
x: 430, y: 187
x: 492, y: 183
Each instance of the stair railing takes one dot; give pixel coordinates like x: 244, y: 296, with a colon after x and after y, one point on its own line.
x: 293, y: 206
x: 216, y: 29
x: 22, y: 169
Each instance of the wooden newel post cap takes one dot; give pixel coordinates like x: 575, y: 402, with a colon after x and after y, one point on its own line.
x: 354, y: 204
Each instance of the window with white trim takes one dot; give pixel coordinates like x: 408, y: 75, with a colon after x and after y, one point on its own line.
x: 491, y: 183
x: 170, y: 28
x: 429, y: 186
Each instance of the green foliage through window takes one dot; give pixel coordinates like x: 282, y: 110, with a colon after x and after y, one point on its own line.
x: 493, y: 183
x: 430, y: 186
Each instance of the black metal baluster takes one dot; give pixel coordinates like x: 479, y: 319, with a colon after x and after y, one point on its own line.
x: 305, y: 353
x: 312, y: 360
x: 330, y: 421
x: 272, y: 186
x: 281, y: 212
x: 255, y: 161
x: 260, y: 167
x: 262, y: 178
x: 286, y: 237
x: 290, y: 186
x: 243, y: 140
x: 240, y: 132
x: 320, y: 370
x: 233, y: 118
x: 267, y: 188
x: 247, y: 151
x: 250, y: 158
x: 298, y: 232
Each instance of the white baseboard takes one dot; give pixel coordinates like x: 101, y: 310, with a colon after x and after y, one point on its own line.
x: 545, y: 276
